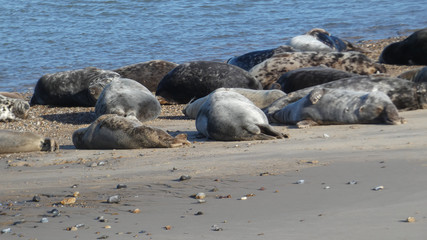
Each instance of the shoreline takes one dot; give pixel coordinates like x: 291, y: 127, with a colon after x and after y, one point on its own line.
x: 264, y: 171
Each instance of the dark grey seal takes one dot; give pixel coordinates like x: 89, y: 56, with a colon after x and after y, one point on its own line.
x: 404, y: 94
x: 15, y: 142
x: 249, y: 60
x: 229, y: 116
x: 311, y: 76
x: 338, y: 106
x: 148, y: 73
x: 269, y: 71
x: 115, y: 132
x: 197, y: 79
x: 128, y: 98
x: 72, y: 88
x: 13, y: 108
x: 410, y: 51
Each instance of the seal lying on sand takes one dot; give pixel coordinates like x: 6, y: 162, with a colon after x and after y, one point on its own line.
x: 115, y: 132
x: 404, y: 94
x: 411, y: 51
x: 337, y: 106
x: 127, y: 97
x: 269, y: 71
x: 229, y: 116
x: 13, y: 108
x: 416, y: 75
x: 14, y: 142
x: 148, y: 73
x: 72, y: 88
x: 311, y: 76
x: 261, y: 99
x: 197, y: 79
x: 319, y: 40
x: 249, y: 60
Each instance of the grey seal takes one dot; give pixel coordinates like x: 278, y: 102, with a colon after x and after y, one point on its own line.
x: 260, y: 98
x: 197, y: 79
x: 148, y: 73
x: 250, y: 59
x: 410, y: 51
x: 416, y: 75
x: 310, y: 76
x: 127, y: 97
x: 116, y: 132
x: 269, y: 71
x: 337, y: 106
x: 319, y: 40
x: 15, y: 142
x: 79, y: 87
x: 13, y: 108
x: 229, y: 116
x: 404, y: 94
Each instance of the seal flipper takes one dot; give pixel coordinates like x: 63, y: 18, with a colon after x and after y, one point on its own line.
x: 268, y: 130
x: 180, y: 140
x: 306, y: 123
x: 316, y: 95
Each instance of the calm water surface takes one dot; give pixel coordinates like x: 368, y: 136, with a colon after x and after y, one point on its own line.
x: 39, y: 37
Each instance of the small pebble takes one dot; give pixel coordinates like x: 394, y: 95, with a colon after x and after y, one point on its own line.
x: 168, y: 227
x: 6, y: 230
x: 327, y: 187
x: 200, y: 195
x: 352, y: 182
x: 216, y: 228
x: 185, y: 177
x: 379, y: 188
x: 120, y: 186
x: 244, y: 198
x: 410, y: 219
x: 36, y: 198
x: 68, y: 201
x: 300, y: 181
x: 76, y: 194
x: 136, y: 210
x: 113, y: 199
x: 198, y: 213
x: 201, y: 200
x: 101, y: 219
x: 44, y: 220
x: 107, y: 227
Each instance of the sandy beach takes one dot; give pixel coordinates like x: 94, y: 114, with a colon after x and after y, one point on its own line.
x: 325, y: 182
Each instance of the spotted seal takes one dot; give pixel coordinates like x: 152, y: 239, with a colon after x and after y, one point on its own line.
x: 319, y: 40
x: 404, y: 94
x: 111, y: 131
x: 410, y: 51
x: 229, y: 116
x: 197, y: 79
x: 260, y: 98
x: 416, y: 75
x: 249, y: 60
x: 270, y: 70
x: 72, y: 88
x: 13, y: 108
x: 148, y: 73
x: 311, y: 76
x: 338, y: 106
x: 15, y: 142
x: 127, y: 97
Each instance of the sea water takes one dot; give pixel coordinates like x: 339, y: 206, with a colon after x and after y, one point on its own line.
x: 40, y: 37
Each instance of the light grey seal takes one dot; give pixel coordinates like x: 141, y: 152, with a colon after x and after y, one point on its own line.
x: 229, y: 116
x: 404, y: 94
x: 319, y: 40
x: 337, y: 106
x: 310, y: 76
x: 15, y: 142
x: 416, y: 75
x: 148, y: 73
x: 115, y: 132
x: 410, y: 51
x: 197, y: 79
x: 127, y: 97
x: 13, y: 108
x: 269, y: 71
x: 261, y: 99
x: 72, y: 88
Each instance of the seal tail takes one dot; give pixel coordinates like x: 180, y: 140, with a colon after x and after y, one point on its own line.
x: 269, y: 131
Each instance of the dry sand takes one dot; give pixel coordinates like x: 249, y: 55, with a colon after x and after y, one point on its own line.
x: 325, y: 206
